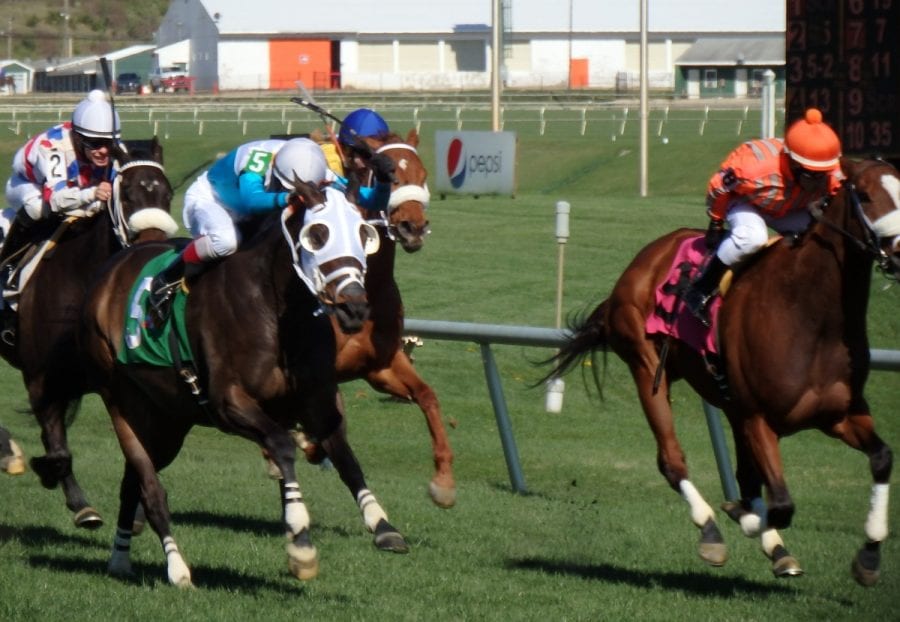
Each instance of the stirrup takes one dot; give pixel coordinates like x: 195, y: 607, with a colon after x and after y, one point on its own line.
x: 697, y: 303
x: 159, y: 303
x: 8, y: 336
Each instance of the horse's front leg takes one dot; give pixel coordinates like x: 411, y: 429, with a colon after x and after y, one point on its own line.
x: 55, y: 466
x: 387, y: 538
x: 858, y: 432
x: 672, y: 465
x: 243, y: 414
x: 401, y: 380
x: 750, y: 511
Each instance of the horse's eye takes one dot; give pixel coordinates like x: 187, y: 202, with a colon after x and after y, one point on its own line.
x: 314, y: 236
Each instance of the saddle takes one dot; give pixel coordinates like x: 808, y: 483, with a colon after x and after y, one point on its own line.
x: 19, y: 261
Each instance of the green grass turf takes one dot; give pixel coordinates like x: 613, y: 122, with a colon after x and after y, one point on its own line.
x: 600, y: 536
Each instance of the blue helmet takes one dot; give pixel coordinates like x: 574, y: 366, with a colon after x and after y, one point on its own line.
x: 362, y: 122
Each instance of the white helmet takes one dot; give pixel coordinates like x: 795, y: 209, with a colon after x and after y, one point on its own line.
x: 300, y: 158
x: 93, y: 117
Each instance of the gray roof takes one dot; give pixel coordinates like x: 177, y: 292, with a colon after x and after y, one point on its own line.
x: 449, y: 16
x: 765, y: 51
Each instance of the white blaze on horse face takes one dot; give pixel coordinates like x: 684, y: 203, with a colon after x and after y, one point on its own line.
x: 888, y: 226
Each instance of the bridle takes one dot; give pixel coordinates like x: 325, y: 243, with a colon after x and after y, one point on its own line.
x: 403, y: 193
x: 120, y: 226
x: 887, y: 226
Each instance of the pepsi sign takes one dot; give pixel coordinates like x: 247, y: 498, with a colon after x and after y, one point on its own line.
x: 475, y: 162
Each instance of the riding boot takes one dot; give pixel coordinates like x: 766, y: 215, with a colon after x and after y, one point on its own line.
x: 165, y: 284
x: 162, y: 290
x: 19, y: 235
x: 698, y: 293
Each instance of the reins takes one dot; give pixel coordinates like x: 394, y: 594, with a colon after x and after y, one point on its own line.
x: 873, y: 231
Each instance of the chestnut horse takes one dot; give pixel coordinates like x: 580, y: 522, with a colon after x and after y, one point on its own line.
x: 375, y: 353
x: 793, y: 351
x: 45, y: 348
x: 263, y: 352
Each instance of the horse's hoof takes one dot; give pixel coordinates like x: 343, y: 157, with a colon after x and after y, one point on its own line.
x: 713, y: 553
x: 303, y: 561
x: 88, y: 518
x: 864, y: 576
x: 786, y: 566
x: 392, y: 542
x: 865, y: 567
x: 304, y: 569
x: 13, y: 464
x: 442, y: 496
x: 734, y: 510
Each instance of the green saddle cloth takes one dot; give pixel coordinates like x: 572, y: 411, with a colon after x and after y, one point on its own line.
x: 150, y: 346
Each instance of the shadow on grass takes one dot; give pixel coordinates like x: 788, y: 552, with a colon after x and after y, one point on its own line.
x: 697, y: 583
x: 248, y: 524
x: 47, y: 536
x: 154, y: 576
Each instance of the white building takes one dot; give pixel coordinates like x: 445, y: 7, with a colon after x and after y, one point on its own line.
x: 443, y: 44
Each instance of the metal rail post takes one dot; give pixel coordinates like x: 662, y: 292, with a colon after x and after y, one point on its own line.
x: 495, y: 388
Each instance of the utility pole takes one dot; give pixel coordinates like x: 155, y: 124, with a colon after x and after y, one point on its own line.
x: 67, y: 35
x: 9, y: 38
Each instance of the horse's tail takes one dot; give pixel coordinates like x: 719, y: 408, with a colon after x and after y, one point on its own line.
x: 589, y: 335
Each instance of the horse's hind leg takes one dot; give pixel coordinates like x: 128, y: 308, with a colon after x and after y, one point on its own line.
x: 141, y: 475
x: 129, y: 499
x: 387, y: 538
x: 672, y: 465
x: 858, y: 432
x: 750, y: 512
x: 55, y: 467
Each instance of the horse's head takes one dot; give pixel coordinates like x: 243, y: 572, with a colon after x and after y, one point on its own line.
x: 143, y: 195
x: 330, y: 252
x: 874, y: 193
x: 407, y: 221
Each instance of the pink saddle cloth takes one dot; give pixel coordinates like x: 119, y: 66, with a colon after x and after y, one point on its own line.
x: 671, y: 317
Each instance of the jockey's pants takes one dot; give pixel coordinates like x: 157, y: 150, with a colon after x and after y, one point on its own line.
x: 749, y: 231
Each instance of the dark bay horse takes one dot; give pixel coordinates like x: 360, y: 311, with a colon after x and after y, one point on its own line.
x: 794, y: 353
x: 45, y: 348
x: 375, y: 353
x: 264, y: 354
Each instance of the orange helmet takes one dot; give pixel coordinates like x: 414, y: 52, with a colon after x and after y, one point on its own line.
x: 812, y: 144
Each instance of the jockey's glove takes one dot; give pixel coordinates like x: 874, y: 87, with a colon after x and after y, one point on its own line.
x: 714, y: 233
x: 383, y: 168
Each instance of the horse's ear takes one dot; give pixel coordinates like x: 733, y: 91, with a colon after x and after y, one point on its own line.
x: 120, y: 153
x: 156, y: 149
x: 412, y: 139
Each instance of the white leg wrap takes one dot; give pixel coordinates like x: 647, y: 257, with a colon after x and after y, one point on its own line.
x: 296, y: 516
x: 700, y: 509
x: 370, y: 508
x: 179, y: 573
x: 769, y: 540
x: 120, y: 560
x: 877, y: 523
